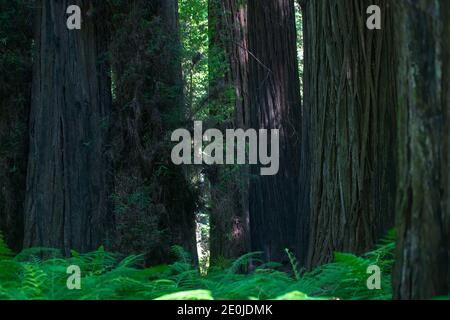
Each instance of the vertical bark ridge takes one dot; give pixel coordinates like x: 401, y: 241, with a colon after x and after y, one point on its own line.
x: 67, y: 185
x: 348, y: 121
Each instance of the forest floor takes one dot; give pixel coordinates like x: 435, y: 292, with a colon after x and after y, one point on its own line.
x: 107, y: 276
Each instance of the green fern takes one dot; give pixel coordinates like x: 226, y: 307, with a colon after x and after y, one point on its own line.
x: 40, y: 273
x: 294, y: 264
x: 33, y: 281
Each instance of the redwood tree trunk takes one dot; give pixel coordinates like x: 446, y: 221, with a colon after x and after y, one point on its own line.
x: 152, y: 196
x: 274, y: 99
x: 237, y: 53
x: 422, y: 265
x: 348, y: 125
x: 228, y: 60
x: 67, y: 186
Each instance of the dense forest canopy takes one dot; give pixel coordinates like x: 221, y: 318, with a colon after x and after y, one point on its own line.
x: 347, y: 99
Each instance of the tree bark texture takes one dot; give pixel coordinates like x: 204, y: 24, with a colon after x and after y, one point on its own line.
x: 67, y: 185
x: 274, y: 100
x: 422, y: 264
x: 348, y: 127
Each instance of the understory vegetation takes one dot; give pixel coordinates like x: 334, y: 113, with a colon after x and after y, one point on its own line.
x: 105, y: 275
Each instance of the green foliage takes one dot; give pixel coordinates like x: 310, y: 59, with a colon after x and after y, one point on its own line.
x: 5, y: 252
x: 294, y: 264
x: 300, y: 47
x: 346, y: 277
x: 194, y: 37
x: 41, y: 274
x: 188, y: 295
x: 296, y: 295
x: 137, y: 220
x: 137, y: 200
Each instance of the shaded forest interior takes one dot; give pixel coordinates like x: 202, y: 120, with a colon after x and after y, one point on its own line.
x: 86, y: 123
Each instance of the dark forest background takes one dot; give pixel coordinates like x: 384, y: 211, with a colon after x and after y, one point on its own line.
x: 86, y: 176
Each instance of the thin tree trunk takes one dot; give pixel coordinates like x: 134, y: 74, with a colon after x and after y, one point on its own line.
x: 422, y: 264
x: 348, y: 125
x: 67, y: 186
x: 274, y: 99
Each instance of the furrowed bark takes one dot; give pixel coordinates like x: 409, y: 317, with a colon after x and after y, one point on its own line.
x: 348, y: 127
x: 67, y: 194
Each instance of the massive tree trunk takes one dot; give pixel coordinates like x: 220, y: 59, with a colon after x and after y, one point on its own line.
x: 15, y: 97
x: 422, y: 265
x: 228, y: 61
x: 274, y: 97
x: 67, y: 186
x: 348, y: 126
x: 152, y: 196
